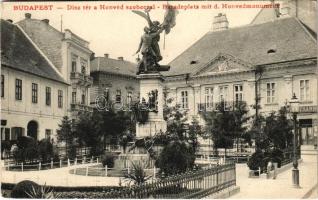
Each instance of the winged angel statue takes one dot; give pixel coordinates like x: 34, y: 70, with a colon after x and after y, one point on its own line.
x: 148, y: 46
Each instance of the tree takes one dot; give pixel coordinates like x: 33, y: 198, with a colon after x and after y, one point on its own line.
x: 276, y: 136
x: 240, y: 120
x: 93, y: 129
x: 278, y: 129
x: 195, y: 130
x: 176, y: 119
x: 66, y: 134
x: 114, y: 124
x: 226, y: 124
x: 89, y: 132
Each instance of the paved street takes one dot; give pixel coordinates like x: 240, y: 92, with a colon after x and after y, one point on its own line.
x: 281, y: 187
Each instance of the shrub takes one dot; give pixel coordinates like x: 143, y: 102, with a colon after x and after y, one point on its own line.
x: 24, y: 142
x: 137, y: 175
x: 27, y: 149
x: 45, y: 150
x: 5, y: 145
x: 256, y: 160
x: 109, y: 160
x: 277, y: 156
x: 274, y: 155
x: 23, y: 188
x: 42, y: 192
x: 176, y: 157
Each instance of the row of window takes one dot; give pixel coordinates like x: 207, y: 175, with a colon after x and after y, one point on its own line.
x: 34, y: 93
x: 223, y: 91
x: 74, y: 99
x: 118, y: 96
x: 238, y: 94
x: 8, y: 134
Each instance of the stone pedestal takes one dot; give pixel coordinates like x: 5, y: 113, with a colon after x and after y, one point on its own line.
x: 155, y: 123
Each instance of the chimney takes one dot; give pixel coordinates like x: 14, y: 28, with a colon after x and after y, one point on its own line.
x: 120, y: 58
x: 106, y: 55
x: 92, y: 57
x: 220, y: 22
x: 10, y: 21
x: 46, y: 21
x: 27, y: 15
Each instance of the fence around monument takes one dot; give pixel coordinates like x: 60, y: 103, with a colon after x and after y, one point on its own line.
x: 192, y: 184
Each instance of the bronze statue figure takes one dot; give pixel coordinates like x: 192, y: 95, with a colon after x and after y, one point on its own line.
x: 149, y: 47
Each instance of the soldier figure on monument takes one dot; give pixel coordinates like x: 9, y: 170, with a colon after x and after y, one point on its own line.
x: 150, y: 58
x: 149, y: 46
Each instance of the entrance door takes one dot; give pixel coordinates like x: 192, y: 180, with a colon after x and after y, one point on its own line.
x: 33, y: 129
x: 307, y: 136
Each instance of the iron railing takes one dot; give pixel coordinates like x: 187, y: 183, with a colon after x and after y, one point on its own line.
x: 81, y: 78
x: 81, y: 107
x: 192, y: 184
x: 228, y: 105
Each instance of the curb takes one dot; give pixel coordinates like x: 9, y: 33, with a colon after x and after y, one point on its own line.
x: 310, y: 191
x: 288, y: 166
x: 225, y: 193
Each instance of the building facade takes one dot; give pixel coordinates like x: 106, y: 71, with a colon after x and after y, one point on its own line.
x: 44, y: 76
x: 33, y: 92
x: 114, y: 82
x: 69, y: 54
x: 270, y: 60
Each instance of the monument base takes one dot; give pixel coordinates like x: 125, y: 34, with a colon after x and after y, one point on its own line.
x: 155, y: 123
x: 150, y: 128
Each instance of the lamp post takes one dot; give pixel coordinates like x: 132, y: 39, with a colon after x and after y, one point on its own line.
x: 294, y: 109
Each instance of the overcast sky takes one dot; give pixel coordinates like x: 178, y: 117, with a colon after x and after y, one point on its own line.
x: 118, y: 32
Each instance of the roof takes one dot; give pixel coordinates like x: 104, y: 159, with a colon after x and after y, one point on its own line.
x: 288, y: 37
x: 46, y: 37
x: 113, y: 66
x: 19, y: 53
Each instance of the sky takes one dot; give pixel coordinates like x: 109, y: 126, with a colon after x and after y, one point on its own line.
x: 118, y: 32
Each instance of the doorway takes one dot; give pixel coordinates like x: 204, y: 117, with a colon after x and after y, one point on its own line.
x: 33, y: 129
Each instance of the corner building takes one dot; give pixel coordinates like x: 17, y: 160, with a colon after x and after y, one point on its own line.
x: 45, y: 75
x: 224, y: 65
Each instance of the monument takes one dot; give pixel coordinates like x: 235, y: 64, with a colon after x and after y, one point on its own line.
x: 151, y: 81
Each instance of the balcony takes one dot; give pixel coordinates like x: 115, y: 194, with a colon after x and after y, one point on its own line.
x: 88, y: 80
x: 228, y: 106
x: 81, y: 107
x: 81, y: 79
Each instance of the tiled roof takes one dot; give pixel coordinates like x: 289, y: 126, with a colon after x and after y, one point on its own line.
x: 46, y: 37
x: 288, y: 37
x: 113, y: 66
x: 19, y: 53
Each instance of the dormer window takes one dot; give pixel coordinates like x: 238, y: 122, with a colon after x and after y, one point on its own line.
x: 193, y: 62
x: 271, y: 51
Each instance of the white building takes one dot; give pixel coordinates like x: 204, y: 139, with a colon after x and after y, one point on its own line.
x: 224, y: 65
x: 44, y: 76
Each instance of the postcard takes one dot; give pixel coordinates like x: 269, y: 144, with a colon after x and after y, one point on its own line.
x: 159, y: 99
